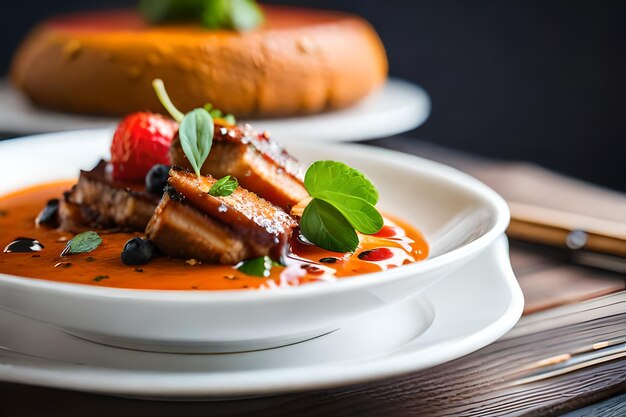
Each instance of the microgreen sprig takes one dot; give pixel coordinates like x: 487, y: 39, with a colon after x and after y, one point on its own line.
x: 228, y: 119
x: 224, y: 186
x: 164, y: 98
x: 196, y: 128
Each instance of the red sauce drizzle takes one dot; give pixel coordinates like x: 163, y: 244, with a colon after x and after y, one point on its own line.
x: 376, y: 255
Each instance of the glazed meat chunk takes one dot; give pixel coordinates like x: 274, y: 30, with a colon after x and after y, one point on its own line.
x: 259, y: 164
x: 191, y: 223
x: 97, y: 201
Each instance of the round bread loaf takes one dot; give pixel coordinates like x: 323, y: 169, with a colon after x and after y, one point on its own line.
x: 299, y: 61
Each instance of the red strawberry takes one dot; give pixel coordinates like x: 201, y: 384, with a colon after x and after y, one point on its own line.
x: 141, y: 140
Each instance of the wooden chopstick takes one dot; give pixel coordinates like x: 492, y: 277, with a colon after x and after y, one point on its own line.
x: 562, y: 229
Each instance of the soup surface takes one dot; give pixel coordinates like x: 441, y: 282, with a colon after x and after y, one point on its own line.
x: 396, y: 244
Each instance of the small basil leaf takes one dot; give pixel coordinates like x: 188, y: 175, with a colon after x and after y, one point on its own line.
x: 196, y: 137
x: 82, y: 243
x: 361, y: 214
x: 339, y: 178
x: 224, y: 186
x: 326, y: 227
x: 258, y: 267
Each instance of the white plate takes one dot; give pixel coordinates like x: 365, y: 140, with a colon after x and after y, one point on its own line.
x: 398, y: 107
x: 458, y: 215
x: 464, y: 312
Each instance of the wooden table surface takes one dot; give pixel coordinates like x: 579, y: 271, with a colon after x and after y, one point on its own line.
x: 489, y: 382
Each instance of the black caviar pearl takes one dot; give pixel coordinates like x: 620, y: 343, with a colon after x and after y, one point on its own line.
x: 24, y: 244
x: 156, y: 179
x: 49, y: 216
x: 138, y: 251
x: 329, y: 260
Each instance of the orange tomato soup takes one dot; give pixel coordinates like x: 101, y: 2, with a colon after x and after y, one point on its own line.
x: 396, y: 244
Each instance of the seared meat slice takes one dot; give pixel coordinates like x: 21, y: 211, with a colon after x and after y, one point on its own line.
x: 181, y: 231
x: 72, y: 217
x: 227, y: 230
x: 97, y: 201
x: 259, y: 164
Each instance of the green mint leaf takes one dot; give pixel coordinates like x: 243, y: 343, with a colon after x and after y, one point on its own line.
x: 245, y: 14
x: 231, y: 14
x: 224, y: 186
x: 164, y: 98
x: 339, y: 178
x: 216, y: 15
x: 82, y: 243
x: 326, y: 227
x: 212, y: 14
x: 258, y: 267
x: 362, y: 215
x: 196, y: 137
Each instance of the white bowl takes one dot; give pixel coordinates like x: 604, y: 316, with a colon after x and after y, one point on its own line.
x: 458, y: 215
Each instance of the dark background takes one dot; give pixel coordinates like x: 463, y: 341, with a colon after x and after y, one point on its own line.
x: 533, y: 80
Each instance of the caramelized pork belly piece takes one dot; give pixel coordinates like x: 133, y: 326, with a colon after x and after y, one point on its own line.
x: 259, y: 164
x: 181, y: 231
x: 190, y: 223
x: 97, y: 201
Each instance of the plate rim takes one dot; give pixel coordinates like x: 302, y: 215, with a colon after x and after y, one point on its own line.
x: 185, y: 386
x: 415, y: 109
